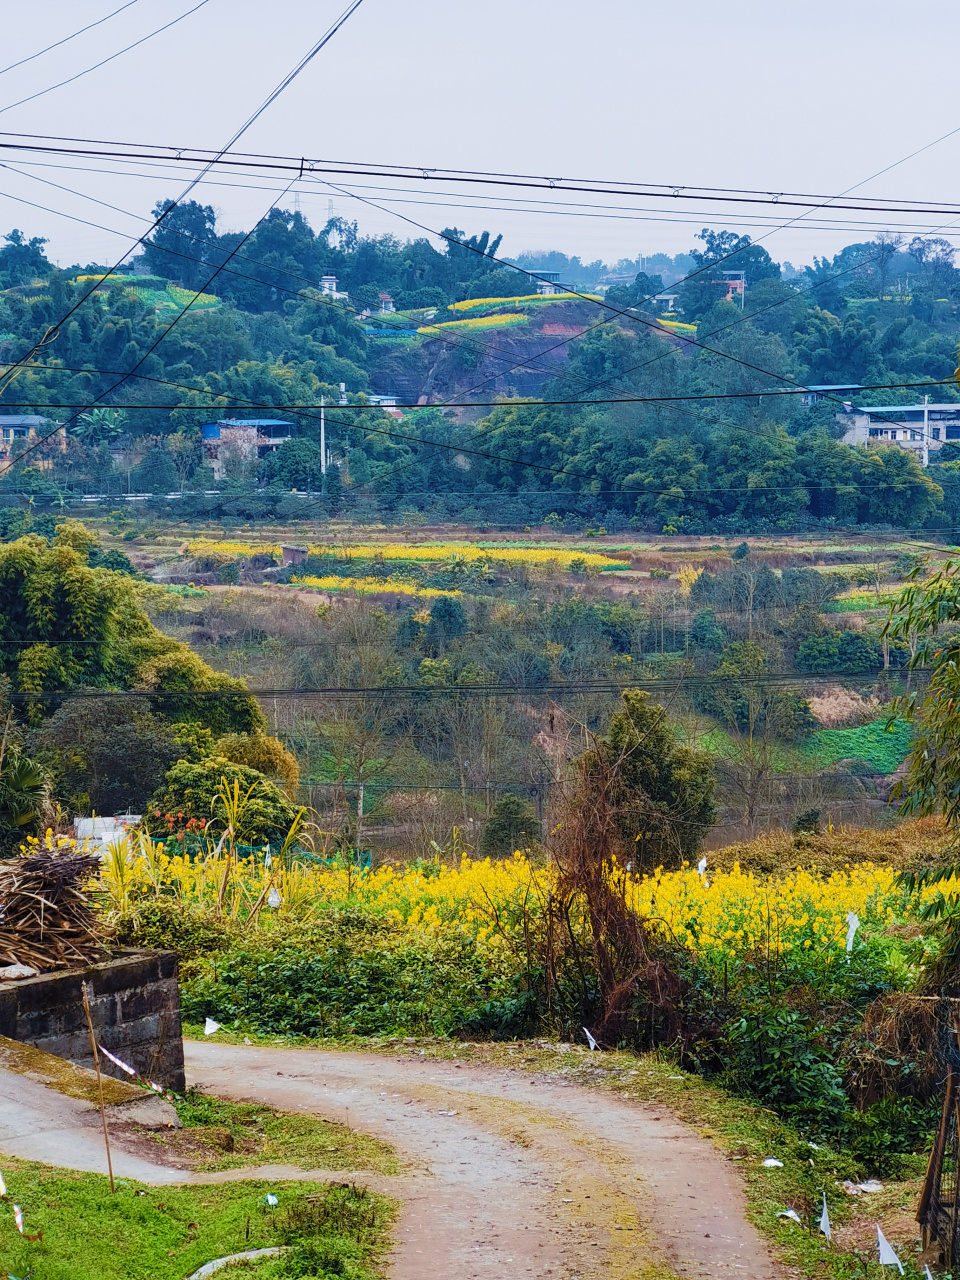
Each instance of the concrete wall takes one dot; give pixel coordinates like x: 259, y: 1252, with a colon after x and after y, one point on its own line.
x: 135, y: 1007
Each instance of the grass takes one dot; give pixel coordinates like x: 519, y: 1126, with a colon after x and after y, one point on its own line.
x: 152, y: 1233
x: 883, y: 749
x: 919, y: 842
x: 234, y: 1135
x: 859, y: 602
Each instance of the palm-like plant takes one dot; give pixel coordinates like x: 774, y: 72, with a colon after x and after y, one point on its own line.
x: 99, y: 425
x: 24, y: 794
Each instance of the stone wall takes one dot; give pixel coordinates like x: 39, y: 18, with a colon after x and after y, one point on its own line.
x: 135, y: 1006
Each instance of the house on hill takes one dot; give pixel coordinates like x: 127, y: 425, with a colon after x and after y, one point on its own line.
x: 18, y: 430
x: 242, y: 438
x: 920, y: 428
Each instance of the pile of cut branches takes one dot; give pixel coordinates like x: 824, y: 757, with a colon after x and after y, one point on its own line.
x: 46, y: 919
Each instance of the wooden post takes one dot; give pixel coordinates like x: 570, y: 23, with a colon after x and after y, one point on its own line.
x: 96, y: 1063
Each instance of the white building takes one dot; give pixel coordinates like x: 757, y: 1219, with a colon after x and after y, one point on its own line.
x: 328, y: 286
x: 100, y: 833
x: 921, y: 428
x: 549, y: 283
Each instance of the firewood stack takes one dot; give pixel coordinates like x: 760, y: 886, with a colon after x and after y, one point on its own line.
x: 46, y: 919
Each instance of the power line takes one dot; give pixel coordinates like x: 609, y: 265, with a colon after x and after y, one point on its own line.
x: 511, y: 204
x: 73, y: 36
x: 311, y: 166
x: 425, y: 692
x: 518, y: 403
x: 791, y: 222
x: 271, y: 97
x: 629, y: 315
x: 486, y: 346
x: 103, y: 62
x: 451, y: 339
x: 459, y: 448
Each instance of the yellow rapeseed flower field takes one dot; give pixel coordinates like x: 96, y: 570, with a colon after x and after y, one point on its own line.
x: 469, y: 303
x: 425, y: 552
x: 367, y: 586
x: 496, y: 321
x: 721, y: 917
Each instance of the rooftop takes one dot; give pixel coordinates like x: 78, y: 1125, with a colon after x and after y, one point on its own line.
x: 253, y: 422
x: 951, y: 407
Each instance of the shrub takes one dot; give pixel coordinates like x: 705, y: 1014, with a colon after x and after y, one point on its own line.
x: 352, y: 973
x: 169, y: 924
x: 512, y: 825
x: 849, y: 651
x: 190, y: 791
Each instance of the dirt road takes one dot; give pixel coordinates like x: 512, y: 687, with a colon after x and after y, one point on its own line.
x: 513, y: 1175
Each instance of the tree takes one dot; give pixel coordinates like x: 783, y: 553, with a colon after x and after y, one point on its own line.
x: 24, y: 797
x: 662, y: 792
x: 22, y: 261
x: 887, y: 247
x: 513, y: 825
x: 735, y: 253
x: 641, y: 293
x: 848, y: 651
x: 264, y: 753
x: 296, y: 464
x: 758, y: 715
x: 99, y: 425
x: 192, y: 790
x: 723, y: 251
x: 706, y: 633
x: 185, y: 454
x: 64, y: 624
x: 925, y: 616
x: 184, y: 247
x: 155, y: 474
x: 894, y: 488
x: 107, y: 755
x: 447, y: 622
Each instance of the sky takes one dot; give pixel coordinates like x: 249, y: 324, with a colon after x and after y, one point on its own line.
x: 814, y: 97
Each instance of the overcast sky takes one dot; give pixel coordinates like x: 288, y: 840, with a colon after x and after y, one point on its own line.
x: 812, y: 96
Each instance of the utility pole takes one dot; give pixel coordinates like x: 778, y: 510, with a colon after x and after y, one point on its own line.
x: 925, y: 449
x: 323, y: 440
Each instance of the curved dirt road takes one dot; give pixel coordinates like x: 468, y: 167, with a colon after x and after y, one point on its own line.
x: 515, y: 1176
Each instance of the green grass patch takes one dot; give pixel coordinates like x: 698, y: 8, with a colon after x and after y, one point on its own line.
x: 167, y: 1233
x: 235, y: 1135
x: 883, y: 749
x: 858, y: 602
x: 717, y: 742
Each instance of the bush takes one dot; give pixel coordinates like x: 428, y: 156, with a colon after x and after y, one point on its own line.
x: 112, y: 751
x: 807, y: 823
x: 512, y: 825
x: 848, y: 651
x: 190, y: 791
x: 352, y: 973
x: 775, y: 1054
x: 168, y: 924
